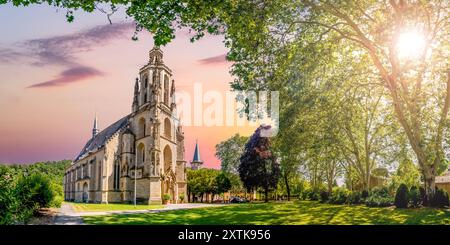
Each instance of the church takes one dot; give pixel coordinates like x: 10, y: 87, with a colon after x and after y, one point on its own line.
x: 140, y: 156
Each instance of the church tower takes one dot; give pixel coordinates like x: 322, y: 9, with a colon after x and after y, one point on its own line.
x: 159, y: 158
x: 196, y: 161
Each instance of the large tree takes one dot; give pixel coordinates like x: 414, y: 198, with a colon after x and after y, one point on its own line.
x: 259, y: 167
x: 229, y: 152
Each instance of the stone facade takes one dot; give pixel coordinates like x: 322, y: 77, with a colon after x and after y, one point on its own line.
x: 144, y: 150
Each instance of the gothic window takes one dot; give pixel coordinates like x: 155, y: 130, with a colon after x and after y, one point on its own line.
x: 167, y: 128
x: 99, y: 183
x: 166, y: 89
x: 140, y: 153
x: 116, y: 175
x: 145, y: 97
x: 142, y: 127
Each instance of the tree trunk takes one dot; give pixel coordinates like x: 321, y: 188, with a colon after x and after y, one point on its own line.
x: 429, y: 184
x: 266, y: 193
x: 288, y: 190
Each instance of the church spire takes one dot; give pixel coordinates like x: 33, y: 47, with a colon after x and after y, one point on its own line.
x: 95, y: 128
x: 196, y: 161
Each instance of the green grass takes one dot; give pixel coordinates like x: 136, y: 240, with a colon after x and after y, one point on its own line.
x: 297, y: 213
x: 93, y: 207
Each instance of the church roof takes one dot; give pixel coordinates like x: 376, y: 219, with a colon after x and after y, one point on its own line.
x: 196, y: 154
x: 99, y: 140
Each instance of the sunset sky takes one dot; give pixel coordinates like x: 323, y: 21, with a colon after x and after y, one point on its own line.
x: 55, y: 75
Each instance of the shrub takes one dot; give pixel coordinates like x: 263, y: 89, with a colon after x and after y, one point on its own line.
x: 181, y: 196
x: 35, y: 192
x: 414, y: 197
x: 423, y: 196
x: 166, y: 197
x: 378, y: 201
x: 364, y: 194
x: 379, y: 197
x: 401, y: 197
x: 324, y: 196
x: 379, y: 191
x: 355, y: 197
x: 314, y: 195
x: 339, y: 195
x: 440, y: 199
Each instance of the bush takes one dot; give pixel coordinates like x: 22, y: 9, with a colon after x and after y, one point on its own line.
x: 324, y: 196
x: 378, y: 201
x: 35, y: 191
x: 423, y: 196
x: 379, y: 197
x: 166, y: 197
x: 401, y: 197
x: 339, y: 195
x: 355, y: 197
x: 414, y: 197
x: 364, y: 194
x: 379, y: 191
x: 440, y: 199
x: 314, y: 195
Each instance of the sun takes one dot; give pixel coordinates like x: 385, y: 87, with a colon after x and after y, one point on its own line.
x: 410, y: 44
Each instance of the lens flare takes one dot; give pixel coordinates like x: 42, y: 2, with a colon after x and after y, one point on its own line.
x: 410, y: 45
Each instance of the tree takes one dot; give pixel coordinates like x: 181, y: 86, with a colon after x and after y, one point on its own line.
x: 229, y: 152
x: 223, y: 183
x: 258, y: 166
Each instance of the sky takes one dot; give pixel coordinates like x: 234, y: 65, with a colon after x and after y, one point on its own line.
x: 55, y: 76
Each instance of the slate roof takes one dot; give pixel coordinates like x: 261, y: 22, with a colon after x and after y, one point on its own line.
x: 196, y: 157
x: 97, y: 142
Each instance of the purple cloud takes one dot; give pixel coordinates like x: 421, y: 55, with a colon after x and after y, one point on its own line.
x: 69, y: 76
x: 219, y: 59
x: 62, y: 50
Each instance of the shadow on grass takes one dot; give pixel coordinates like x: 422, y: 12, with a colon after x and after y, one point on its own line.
x: 298, y: 213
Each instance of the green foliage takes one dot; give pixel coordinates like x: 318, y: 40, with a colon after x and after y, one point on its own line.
x: 401, y: 197
x: 167, y: 197
x: 212, y: 181
x: 415, y: 197
x: 339, y: 195
x: 324, y: 196
x: 229, y: 152
x: 24, y: 189
x: 355, y: 197
x: 223, y: 183
x: 407, y: 173
x: 379, y: 197
x: 440, y: 199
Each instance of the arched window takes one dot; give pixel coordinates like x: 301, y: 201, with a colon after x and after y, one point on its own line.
x: 167, y: 128
x: 142, y: 127
x: 166, y: 89
x: 140, y: 153
x: 116, y: 175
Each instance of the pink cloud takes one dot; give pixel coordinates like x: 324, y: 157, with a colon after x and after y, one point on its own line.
x: 215, y: 60
x: 68, y: 76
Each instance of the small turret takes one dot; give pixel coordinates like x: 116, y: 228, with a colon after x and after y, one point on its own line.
x: 95, y: 128
x: 155, y: 56
x: 136, y: 95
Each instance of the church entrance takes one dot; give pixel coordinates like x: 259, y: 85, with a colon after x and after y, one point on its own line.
x: 85, y: 193
x: 169, y: 175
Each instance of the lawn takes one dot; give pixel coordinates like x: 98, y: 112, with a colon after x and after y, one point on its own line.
x: 94, y: 207
x: 292, y: 213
